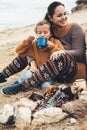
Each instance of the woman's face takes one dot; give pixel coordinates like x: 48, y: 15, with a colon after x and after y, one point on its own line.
x: 59, y: 17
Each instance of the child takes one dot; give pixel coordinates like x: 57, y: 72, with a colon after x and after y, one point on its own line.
x: 41, y: 55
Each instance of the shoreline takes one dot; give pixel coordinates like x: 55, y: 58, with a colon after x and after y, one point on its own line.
x: 15, y: 27
x: 14, y: 35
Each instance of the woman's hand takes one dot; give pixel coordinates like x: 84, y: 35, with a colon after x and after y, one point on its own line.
x: 55, y: 54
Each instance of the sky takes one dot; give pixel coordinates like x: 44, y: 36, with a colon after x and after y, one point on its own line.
x: 16, y: 13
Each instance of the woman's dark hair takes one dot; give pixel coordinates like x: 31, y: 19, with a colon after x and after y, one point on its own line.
x: 50, y: 11
x: 51, y: 8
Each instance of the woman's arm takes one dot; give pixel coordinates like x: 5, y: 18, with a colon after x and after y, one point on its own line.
x: 77, y: 42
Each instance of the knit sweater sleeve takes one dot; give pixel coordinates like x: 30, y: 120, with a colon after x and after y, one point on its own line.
x: 24, y: 45
x: 55, y: 45
x: 25, y: 48
x: 77, y: 42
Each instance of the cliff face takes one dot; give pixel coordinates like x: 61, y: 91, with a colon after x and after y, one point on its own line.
x: 80, y: 4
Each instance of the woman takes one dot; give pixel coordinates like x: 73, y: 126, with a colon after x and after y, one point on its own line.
x: 70, y: 34
x: 64, y: 65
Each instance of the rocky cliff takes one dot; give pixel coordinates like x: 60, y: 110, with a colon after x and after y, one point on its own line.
x: 80, y: 4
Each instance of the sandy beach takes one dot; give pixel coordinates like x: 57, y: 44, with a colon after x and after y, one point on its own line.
x: 9, y: 38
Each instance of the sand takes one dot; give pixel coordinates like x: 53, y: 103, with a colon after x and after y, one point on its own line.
x: 9, y: 38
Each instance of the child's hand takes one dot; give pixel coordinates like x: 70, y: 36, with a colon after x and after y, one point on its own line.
x: 33, y: 66
x: 30, y: 38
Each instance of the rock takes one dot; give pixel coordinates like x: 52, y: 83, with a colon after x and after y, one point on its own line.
x: 23, y: 116
x: 77, y: 108
x: 73, y: 121
x: 80, y: 5
x: 83, y: 95
x: 48, y: 115
x: 25, y: 102
x: 7, y: 114
x: 84, y: 92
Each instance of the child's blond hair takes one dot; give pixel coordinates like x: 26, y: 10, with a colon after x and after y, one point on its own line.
x: 41, y: 23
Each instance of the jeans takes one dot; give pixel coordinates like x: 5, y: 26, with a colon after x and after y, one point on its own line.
x: 28, y: 74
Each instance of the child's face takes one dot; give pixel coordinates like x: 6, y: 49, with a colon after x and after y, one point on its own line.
x: 43, y: 31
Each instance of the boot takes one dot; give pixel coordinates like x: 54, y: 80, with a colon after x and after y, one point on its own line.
x: 2, y: 78
x: 13, y: 89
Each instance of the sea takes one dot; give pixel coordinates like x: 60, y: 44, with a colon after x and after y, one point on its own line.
x: 19, y: 13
